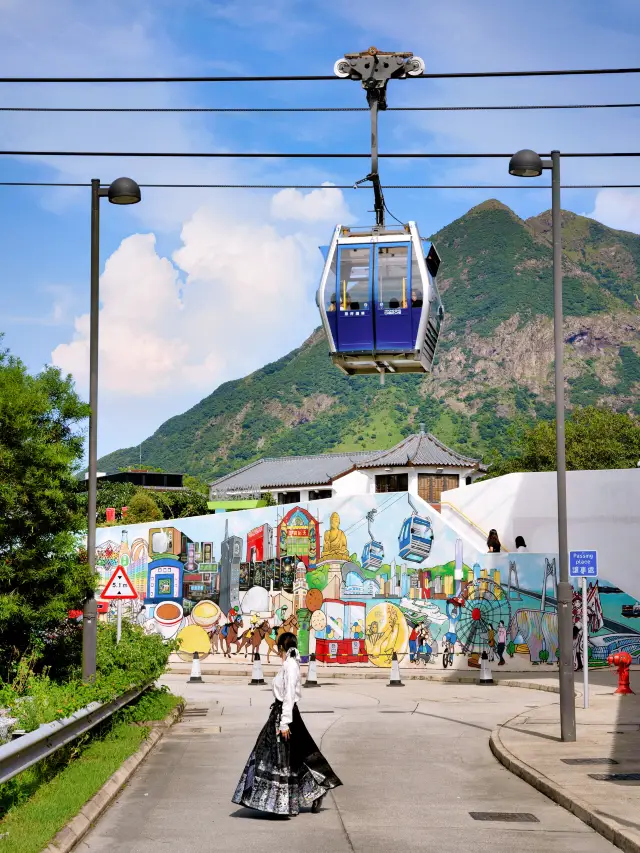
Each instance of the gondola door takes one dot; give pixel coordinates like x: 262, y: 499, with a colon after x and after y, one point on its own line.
x: 354, y: 306
x: 392, y: 293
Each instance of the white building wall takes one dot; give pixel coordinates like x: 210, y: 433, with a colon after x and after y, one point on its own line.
x: 603, y: 510
x: 354, y: 483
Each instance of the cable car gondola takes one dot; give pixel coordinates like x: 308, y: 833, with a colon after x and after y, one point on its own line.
x: 373, y: 551
x: 378, y: 298
x: 416, y: 536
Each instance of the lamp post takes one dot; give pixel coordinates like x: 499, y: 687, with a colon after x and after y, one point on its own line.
x: 121, y: 191
x: 528, y: 164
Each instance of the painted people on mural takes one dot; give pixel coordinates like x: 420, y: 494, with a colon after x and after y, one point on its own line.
x: 491, y: 641
x: 453, y: 614
x: 413, y: 644
x: 502, y: 642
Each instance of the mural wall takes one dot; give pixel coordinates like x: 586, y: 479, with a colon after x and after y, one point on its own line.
x: 356, y: 579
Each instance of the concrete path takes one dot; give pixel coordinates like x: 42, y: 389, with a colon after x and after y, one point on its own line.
x: 414, y: 762
x: 608, y: 743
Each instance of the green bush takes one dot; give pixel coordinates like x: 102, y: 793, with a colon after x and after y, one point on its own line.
x: 34, y: 699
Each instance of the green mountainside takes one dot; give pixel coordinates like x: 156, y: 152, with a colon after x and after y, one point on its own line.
x: 495, y: 357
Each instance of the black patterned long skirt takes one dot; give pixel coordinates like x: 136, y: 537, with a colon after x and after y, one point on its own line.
x: 283, y: 775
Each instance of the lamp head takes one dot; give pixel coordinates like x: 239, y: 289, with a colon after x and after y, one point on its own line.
x: 526, y: 164
x: 124, y: 191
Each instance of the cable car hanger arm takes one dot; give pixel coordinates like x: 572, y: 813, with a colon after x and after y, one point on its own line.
x: 374, y: 68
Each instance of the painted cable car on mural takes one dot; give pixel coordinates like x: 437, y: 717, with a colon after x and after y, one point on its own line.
x: 416, y: 536
x: 373, y: 551
x: 378, y: 297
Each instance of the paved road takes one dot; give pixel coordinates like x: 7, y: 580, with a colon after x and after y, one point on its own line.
x: 414, y: 762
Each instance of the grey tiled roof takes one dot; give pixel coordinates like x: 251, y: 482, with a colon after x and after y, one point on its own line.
x: 421, y: 449
x: 286, y: 471
x: 320, y: 470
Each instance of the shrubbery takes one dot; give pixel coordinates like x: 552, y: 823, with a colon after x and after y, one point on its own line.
x: 34, y: 699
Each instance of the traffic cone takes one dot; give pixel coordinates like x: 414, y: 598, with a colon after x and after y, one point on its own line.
x: 485, y: 669
x: 196, y: 673
x: 312, y: 676
x: 256, y: 672
x: 395, y: 681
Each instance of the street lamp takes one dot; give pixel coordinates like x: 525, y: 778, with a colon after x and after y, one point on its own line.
x: 121, y: 191
x: 528, y: 164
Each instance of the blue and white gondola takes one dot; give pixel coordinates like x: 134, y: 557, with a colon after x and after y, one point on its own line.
x: 415, y: 537
x: 379, y: 301
x: 372, y: 555
x: 373, y: 551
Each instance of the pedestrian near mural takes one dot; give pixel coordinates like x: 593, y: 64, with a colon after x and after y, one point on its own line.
x: 285, y: 770
x: 502, y: 642
x: 493, y: 542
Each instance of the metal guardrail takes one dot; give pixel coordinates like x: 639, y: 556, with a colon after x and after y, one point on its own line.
x: 19, y: 754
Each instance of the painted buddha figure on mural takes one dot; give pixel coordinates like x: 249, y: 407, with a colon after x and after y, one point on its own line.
x: 335, y: 541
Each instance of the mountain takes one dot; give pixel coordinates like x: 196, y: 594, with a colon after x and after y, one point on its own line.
x: 495, y: 357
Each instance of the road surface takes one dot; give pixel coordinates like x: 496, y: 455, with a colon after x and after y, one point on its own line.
x: 414, y: 761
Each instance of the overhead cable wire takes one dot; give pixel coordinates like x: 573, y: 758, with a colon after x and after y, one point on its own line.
x: 513, y: 186
x: 310, y: 109
x: 299, y: 155
x: 288, y: 78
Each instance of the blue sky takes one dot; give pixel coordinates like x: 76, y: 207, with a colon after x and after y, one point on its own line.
x: 202, y: 286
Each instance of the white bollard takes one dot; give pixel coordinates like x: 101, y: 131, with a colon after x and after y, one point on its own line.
x: 485, y: 669
x: 256, y: 673
x: 196, y: 672
x: 312, y: 676
x: 394, y: 680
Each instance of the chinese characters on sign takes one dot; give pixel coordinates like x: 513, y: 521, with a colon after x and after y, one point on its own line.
x: 583, y: 564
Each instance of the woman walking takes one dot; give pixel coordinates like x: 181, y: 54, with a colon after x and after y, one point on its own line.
x: 286, y: 769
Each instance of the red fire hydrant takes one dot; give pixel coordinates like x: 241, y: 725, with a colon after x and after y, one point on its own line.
x: 623, y: 661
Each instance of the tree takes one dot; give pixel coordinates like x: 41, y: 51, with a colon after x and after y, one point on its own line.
x: 142, y: 507
x: 596, y: 438
x: 42, y: 575
x: 195, y: 484
x: 180, y: 504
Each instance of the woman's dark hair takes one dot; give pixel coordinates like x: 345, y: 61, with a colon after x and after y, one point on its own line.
x: 287, y: 641
x: 492, y: 540
x: 520, y: 543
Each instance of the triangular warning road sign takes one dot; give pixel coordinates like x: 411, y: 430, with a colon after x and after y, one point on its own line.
x: 119, y: 586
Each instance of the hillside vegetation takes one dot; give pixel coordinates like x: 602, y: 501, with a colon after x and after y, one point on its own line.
x: 494, y: 365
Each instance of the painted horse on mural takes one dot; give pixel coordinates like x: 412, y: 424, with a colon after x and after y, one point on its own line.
x: 231, y: 636
x: 252, y: 639
x: 290, y: 624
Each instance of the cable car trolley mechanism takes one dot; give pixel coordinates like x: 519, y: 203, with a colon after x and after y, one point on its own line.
x: 378, y: 297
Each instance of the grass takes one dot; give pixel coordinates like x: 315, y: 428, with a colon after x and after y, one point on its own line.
x: 29, y: 825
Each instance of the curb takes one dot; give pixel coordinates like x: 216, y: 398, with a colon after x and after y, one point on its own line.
x: 607, y: 828
x: 67, y: 838
x: 406, y: 676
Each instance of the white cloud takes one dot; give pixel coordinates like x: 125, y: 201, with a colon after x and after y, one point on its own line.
x: 140, y: 352
x: 326, y: 205
x: 618, y: 209
x: 246, y: 298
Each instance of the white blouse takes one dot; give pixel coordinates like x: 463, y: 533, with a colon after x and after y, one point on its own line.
x: 287, y: 688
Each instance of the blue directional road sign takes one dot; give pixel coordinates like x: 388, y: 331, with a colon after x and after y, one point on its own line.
x: 583, y: 564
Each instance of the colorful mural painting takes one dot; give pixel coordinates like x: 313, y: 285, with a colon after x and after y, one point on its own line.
x: 357, y: 579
